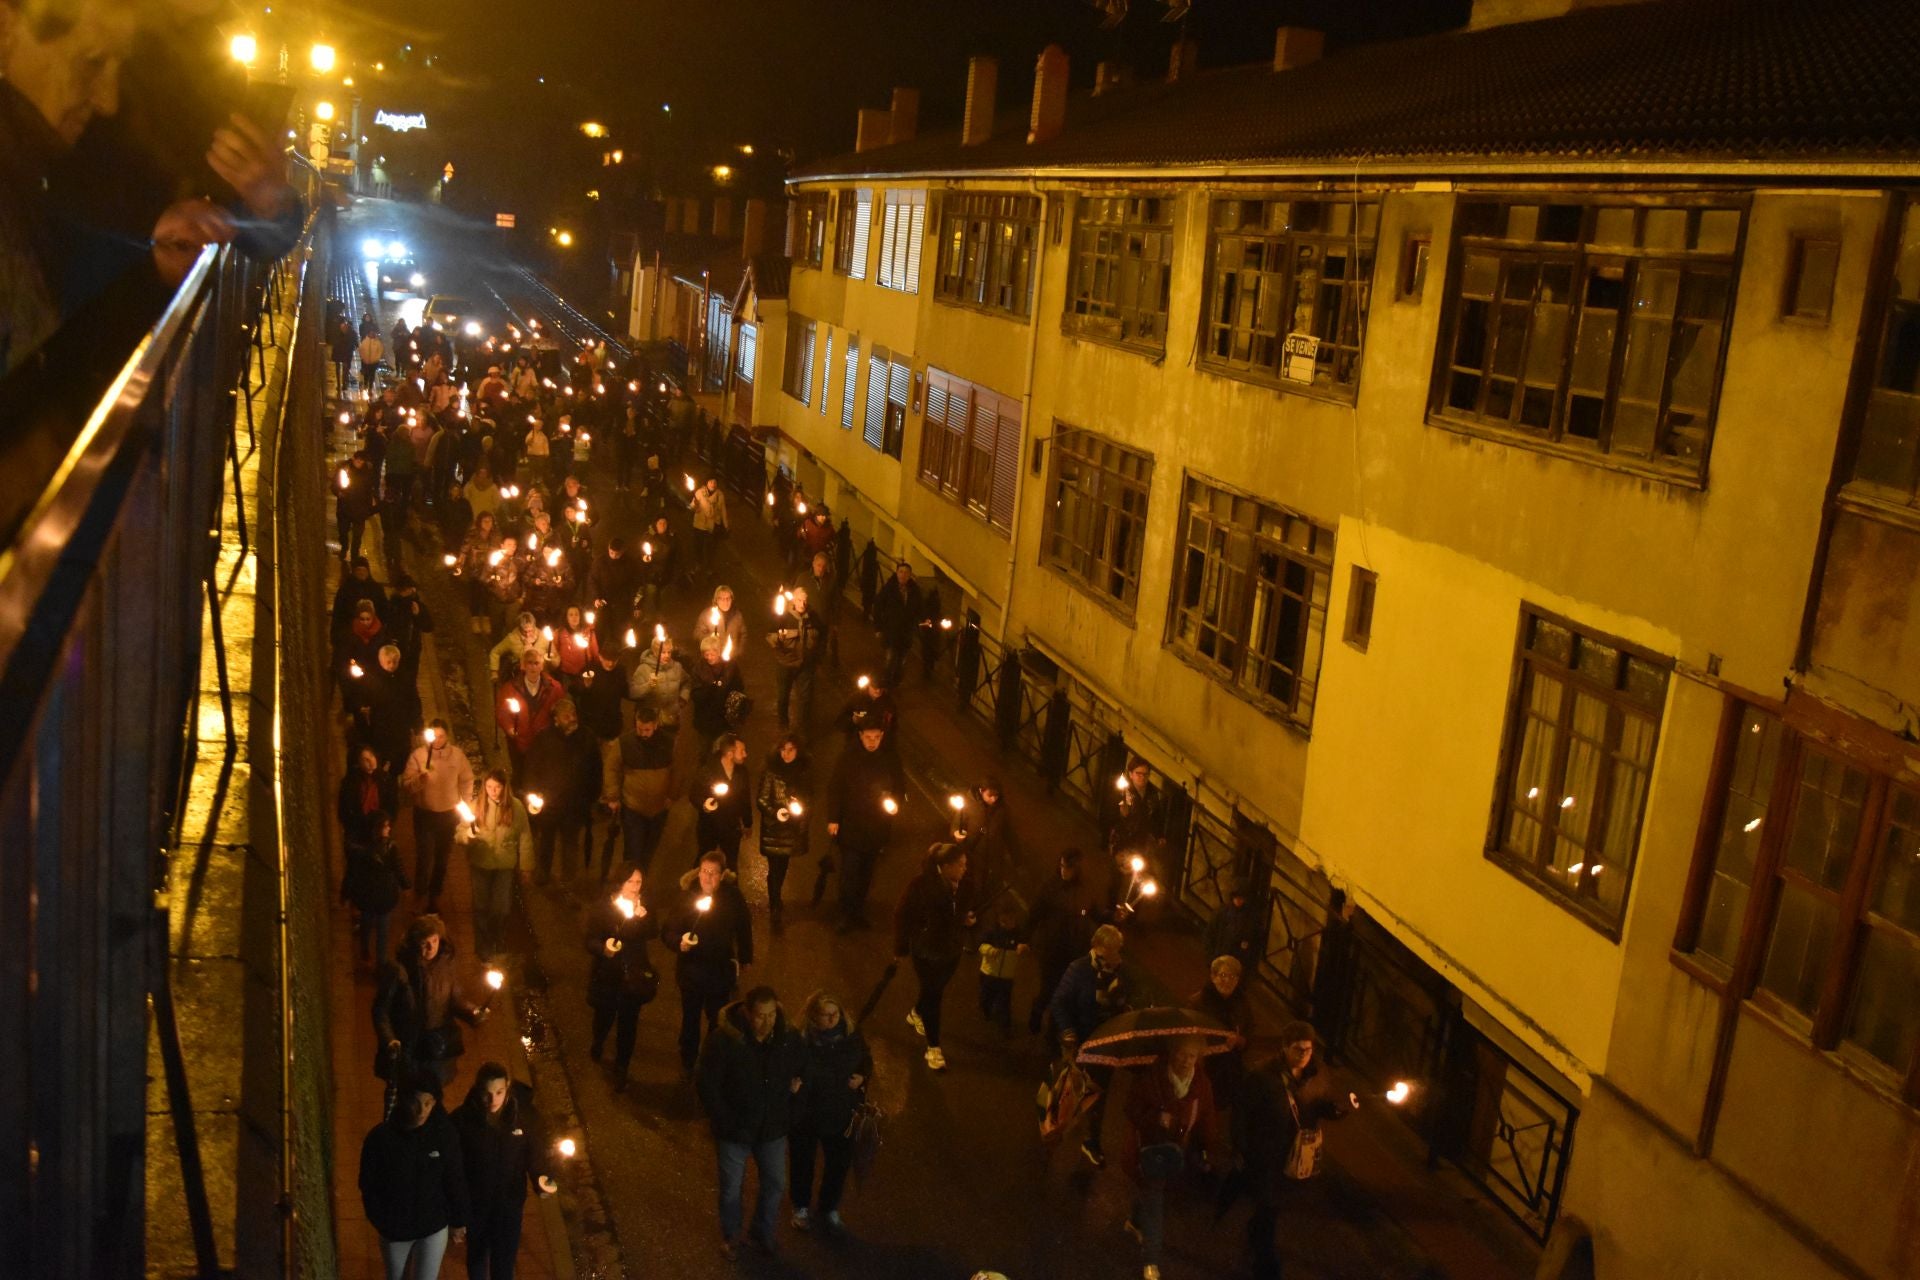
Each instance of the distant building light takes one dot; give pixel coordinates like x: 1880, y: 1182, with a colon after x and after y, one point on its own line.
x: 745, y: 148
x: 244, y: 49
x: 722, y: 172
x: 323, y: 111
x: 322, y: 57
x: 594, y: 129
x: 593, y: 195
x: 564, y: 238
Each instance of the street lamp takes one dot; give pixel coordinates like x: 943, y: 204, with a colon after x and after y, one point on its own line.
x: 722, y: 172
x: 564, y: 238
x: 618, y: 155
x: 594, y: 129
x: 323, y: 111
x: 322, y: 57
x: 244, y: 49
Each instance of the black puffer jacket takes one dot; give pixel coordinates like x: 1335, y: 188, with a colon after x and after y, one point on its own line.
x: 826, y: 1100
x: 745, y: 1084
x: 779, y: 783
x: 502, y: 1154
x: 725, y: 931
x: 861, y: 781
x: 413, y: 1182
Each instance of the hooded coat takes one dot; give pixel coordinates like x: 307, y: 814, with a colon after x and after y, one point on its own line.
x: 779, y: 783
x: 421, y: 1006
x: 746, y: 1085
x: 725, y: 931
x: 502, y: 1154
x: 413, y: 1182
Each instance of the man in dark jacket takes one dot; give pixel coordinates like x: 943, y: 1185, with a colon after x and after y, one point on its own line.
x: 797, y: 637
x: 503, y: 1145
x: 637, y: 779
x: 413, y: 1182
x: 1093, y: 989
x: 898, y: 611
x: 613, y: 581
x: 722, y: 799
x: 418, y: 1006
x: 563, y: 770
x: 354, y: 498
x: 1284, y: 1096
x: 1233, y: 930
x: 356, y: 584
x: 1059, y: 928
x: 930, y: 926
x: 711, y: 929
x: 868, y: 789
x: 750, y: 1070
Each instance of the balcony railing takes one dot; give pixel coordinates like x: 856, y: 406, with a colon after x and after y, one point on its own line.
x: 115, y: 445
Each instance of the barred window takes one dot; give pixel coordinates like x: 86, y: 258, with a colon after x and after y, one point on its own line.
x: 1122, y: 269
x: 1887, y: 464
x: 1288, y: 291
x: 807, y: 229
x: 1576, y: 763
x: 989, y: 242
x: 852, y: 231
x: 970, y: 447
x: 1805, y: 891
x: 903, y: 230
x: 797, y: 379
x: 1596, y: 326
x: 1097, y: 520
x: 1250, y: 605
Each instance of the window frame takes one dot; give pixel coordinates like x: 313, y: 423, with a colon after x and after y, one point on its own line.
x: 1086, y: 312
x: 902, y: 239
x: 853, y: 232
x: 796, y: 373
x: 1824, y: 1031
x: 1287, y: 244
x: 984, y: 237
x: 1538, y: 873
x: 1246, y: 623
x: 1874, y: 497
x: 807, y: 239
x: 1093, y: 461
x: 1581, y: 254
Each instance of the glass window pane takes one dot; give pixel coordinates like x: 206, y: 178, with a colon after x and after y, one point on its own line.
x: 1826, y: 819
x: 1580, y: 787
x: 1884, y: 1016
x: 1896, y: 895
x: 1749, y: 785
x: 1803, y: 931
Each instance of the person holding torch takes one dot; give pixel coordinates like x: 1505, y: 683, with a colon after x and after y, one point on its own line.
x: 722, y: 799
x: 712, y: 930
x: 1277, y: 1135
x: 786, y: 816
x: 622, y: 981
x: 862, y: 801
x: 498, y: 841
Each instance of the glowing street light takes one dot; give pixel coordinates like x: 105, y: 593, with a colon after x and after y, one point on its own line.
x: 722, y: 172
x: 323, y: 111
x: 243, y: 48
x: 593, y: 129
x: 322, y: 57
x: 564, y: 238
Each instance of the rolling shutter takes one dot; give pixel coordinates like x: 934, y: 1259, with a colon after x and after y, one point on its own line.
x: 1007, y: 448
x: 862, y: 233
x: 933, y: 440
x: 849, y: 404
x: 826, y: 372
x: 916, y: 235
x: 875, y: 431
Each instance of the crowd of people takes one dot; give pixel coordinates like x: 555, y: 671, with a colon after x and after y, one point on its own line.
x: 618, y: 692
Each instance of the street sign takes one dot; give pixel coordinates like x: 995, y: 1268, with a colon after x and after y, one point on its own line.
x: 503, y: 220
x: 1298, y: 354
x: 447, y: 173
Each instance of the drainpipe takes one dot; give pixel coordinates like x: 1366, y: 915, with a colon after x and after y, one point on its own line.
x: 1026, y: 412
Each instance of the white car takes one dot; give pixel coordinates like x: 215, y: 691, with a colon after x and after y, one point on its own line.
x: 454, y: 315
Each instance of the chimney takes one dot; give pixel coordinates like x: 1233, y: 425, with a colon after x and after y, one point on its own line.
x: 1296, y: 47
x: 874, y: 128
x: 983, y: 77
x: 906, y: 115
x: 753, y: 228
x: 722, y: 217
x: 1049, y: 95
x: 1184, y: 62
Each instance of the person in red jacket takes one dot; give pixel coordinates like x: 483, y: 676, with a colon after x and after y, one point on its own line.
x: 1170, y: 1121
x: 523, y: 707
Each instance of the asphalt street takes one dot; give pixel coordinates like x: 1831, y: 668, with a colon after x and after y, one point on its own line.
x: 962, y: 1183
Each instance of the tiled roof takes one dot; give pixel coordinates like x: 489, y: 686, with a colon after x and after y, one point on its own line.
x: 1671, y: 80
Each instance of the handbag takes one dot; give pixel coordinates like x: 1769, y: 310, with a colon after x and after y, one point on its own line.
x: 1303, y: 1157
x: 863, y: 1131
x: 644, y: 985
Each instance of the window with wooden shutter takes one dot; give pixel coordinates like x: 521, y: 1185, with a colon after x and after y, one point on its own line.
x: 970, y: 447
x: 903, y: 228
x: 916, y: 235
x: 899, y: 383
x: 826, y: 371
x: 933, y: 440
x: 849, y: 402
x: 875, y: 431
x: 856, y: 213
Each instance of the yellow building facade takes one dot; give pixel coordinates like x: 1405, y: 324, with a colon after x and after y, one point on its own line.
x: 1508, y: 556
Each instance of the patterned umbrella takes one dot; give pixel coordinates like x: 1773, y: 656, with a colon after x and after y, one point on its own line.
x: 1137, y: 1038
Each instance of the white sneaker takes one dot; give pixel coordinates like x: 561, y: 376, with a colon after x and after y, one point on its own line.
x: 802, y: 1219
x: 936, y: 1060
x: 919, y: 1027
x: 833, y: 1220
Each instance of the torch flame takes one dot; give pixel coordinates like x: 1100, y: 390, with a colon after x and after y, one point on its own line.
x: 703, y: 903
x: 891, y: 805
x: 465, y: 811
x: 496, y: 979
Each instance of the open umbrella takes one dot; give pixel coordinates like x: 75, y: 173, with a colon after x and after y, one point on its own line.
x: 1137, y: 1037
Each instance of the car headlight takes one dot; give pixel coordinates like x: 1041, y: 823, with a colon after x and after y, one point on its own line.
x: 372, y: 249
x: 437, y: 328
x: 396, y: 249
x: 416, y: 280
x: 473, y: 328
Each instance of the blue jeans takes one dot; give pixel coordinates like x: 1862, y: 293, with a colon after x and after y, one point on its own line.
x: 771, y: 1160
x: 1150, y: 1216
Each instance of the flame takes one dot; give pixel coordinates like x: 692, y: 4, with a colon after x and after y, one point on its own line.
x: 449, y: 560
x: 1399, y: 1092
x: 465, y: 811
x: 579, y: 640
x: 535, y: 802
x: 779, y: 605
x: 553, y: 557
x: 567, y: 1148
x: 690, y: 485
x: 800, y: 507
x: 1137, y: 864
x: 429, y: 734
x: 496, y: 979
x: 646, y: 550
x: 957, y: 801
x: 546, y: 633
x: 720, y: 790
x: 621, y: 905
x: 343, y: 477
x: 703, y: 903
x: 863, y: 682
x: 496, y: 557
x: 726, y: 650
x: 1120, y: 783
x: 769, y: 497
x: 588, y: 615
x: 793, y: 806
x: 353, y: 669
x: 713, y: 616
x: 633, y: 641
x: 659, y: 633
x: 513, y: 706
x: 891, y: 805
